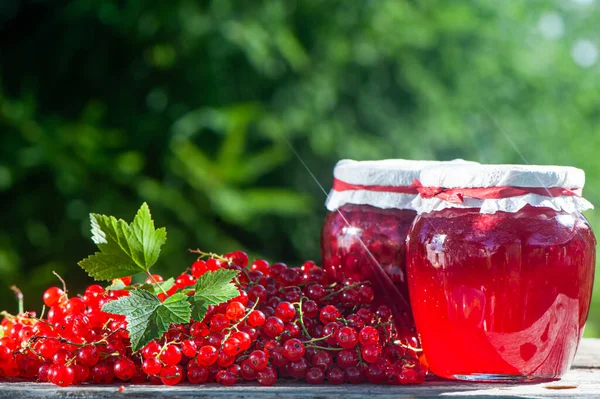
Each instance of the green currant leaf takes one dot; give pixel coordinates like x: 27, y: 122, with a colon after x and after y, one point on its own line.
x: 124, y: 249
x: 212, y: 288
x: 148, y: 318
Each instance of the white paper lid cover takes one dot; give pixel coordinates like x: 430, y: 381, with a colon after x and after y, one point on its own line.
x: 480, y: 175
x: 386, y: 172
x: 457, y: 176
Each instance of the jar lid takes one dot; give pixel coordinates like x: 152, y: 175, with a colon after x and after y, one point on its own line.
x: 384, y: 183
x: 481, y: 175
x: 385, y: 172
x: 506, y: 188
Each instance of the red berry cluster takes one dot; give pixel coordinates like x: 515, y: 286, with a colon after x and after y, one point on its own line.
x: 286, y: 322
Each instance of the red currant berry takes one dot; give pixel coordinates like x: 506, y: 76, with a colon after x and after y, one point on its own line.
x: 335, y: 376
x: 53, y: 295
x: 247, y: 371
x: 368, y: 336
x: 293, y: 349
x: 171, y: 375
x: 310, y: 309
x: 261, y: 265
x: 267, y: 377
x: 63, y: 375
x: 256, y: 318
x: 103, y: 373
x: 315, y: 376
x: 347, y: 358
x: 235, y: 311
x: 322, y: 359
x: 299, y: 368
x: 124, y: 369
x: 239, y: 258
x: 188, y: 347
x: 62, y: 356
x: 219, y: 322
x: 199, y: 268
x: 88, y: 355
x: 366, y: 294
x: 257, y: 293
x: 171, y: 355
x: 347, y: 337
x: 354, y: 375
x: 273, y: 327
x: 371, y: 353
x: 285, y: 311
x: 214, y: 264
x: 155, y: 278
x: 150, y: 350
x: 232, y: 346
x: 329, y: 313
x: 258, y: 360
x: 226, y: 378
x: 224, y: 359
x: 184, y: 280
x: 207, y: 355
x: 197, y: 374
x: 243, y: 338
x: 152, y: 366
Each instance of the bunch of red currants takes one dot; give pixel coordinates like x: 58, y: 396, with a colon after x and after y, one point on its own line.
x: 285, y: 323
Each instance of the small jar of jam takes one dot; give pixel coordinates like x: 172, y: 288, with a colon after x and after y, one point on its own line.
x: 500, y: 267
x: 364, y: 234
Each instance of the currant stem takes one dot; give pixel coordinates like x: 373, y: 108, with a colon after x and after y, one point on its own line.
x: 410, y: 348
x: 156, y: 282
x: 324, y: 348
x: 210, y: 255
x: 7, y: 315
x: 241, y: 320
x: 19, y: 296
x: 301, y: 319
x: 341, y: 290
x: 61, y: 280
x: 319, y: 339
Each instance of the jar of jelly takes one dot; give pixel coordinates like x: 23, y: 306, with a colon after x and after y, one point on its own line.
x: 500, y: 267
x: 364, y: 234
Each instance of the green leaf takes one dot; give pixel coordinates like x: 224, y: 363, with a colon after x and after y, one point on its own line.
x: 124, y: 249
x: 212, y: 288
x: 147, y: 318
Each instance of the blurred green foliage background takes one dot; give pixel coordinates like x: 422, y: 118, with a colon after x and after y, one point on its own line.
x: 190, y: 105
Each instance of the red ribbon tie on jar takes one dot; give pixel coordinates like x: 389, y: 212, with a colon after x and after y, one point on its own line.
x: 457, y: 195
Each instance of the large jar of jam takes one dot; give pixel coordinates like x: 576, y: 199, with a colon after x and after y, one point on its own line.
x: 364, y: 234
x: 500, y: 270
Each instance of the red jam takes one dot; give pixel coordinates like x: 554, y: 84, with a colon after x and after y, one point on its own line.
x: 500, y: 296
x: 357, y: 240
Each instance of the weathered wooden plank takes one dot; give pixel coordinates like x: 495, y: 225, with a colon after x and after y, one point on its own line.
x: 588, y: 354
x: 579, y: 383
x: 583, y: 381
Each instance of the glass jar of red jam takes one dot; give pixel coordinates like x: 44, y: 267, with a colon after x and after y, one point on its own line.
x: 364, y: 234
x: 500, y: 270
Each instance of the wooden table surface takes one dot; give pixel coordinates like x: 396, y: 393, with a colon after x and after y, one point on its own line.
x: 583, y: 381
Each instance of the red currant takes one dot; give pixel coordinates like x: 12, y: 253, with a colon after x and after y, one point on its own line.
x: 124, y: 369
x: 171, y: 374
x: 293, y: 349
x: 152, y: 366
x: 53, y: 295
x: 171, y: 355
x: 256, y: 318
